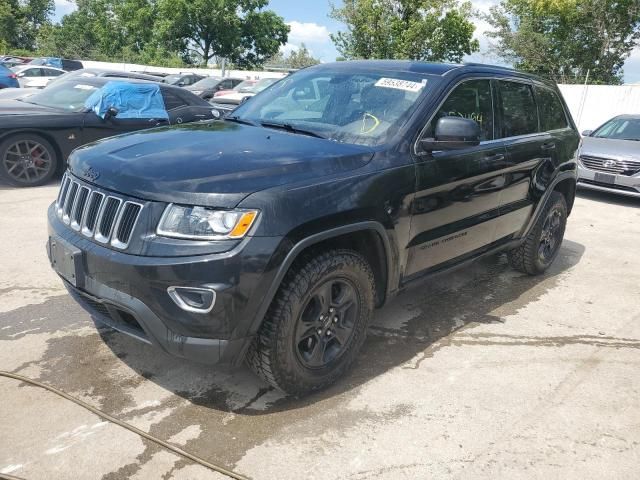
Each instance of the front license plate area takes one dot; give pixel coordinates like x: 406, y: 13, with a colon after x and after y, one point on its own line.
x: 605, y: 178
x: 66, y: 260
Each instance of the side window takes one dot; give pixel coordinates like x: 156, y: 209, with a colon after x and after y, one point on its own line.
x: 471, y: 99
x: 52, y: 73
x: 552, y: 116
x: 172, y: 101
x: 519, y: 112
x: 227, y: 84
x: 33, y: 72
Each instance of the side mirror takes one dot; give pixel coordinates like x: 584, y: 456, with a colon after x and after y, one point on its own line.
x: 181, y: 84
x: 112, y: 112
x: 20, y: 75
x: 453, y: 133
x: 587, y: 133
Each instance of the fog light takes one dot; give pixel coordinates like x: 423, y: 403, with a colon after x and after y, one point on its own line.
x: 196, y: 300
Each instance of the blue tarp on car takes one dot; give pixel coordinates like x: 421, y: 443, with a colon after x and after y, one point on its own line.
x: 132, y: 100
x: 47, y: 61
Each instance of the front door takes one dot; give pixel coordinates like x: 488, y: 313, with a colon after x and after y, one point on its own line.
x: 457, y: 191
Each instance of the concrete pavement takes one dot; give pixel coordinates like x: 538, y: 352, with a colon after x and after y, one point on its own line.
x: 482, y: 373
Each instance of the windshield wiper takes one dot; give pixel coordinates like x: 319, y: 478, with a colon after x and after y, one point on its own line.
x: 290, y: 128
x: 237, y: 119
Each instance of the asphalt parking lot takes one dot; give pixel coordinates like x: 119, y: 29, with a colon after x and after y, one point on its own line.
x: 482, y: 373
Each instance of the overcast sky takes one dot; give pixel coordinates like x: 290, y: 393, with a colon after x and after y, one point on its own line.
x: 310, y: 24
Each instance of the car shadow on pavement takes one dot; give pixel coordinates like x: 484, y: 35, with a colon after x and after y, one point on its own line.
x: 406, y: 332
x: 610, y: 198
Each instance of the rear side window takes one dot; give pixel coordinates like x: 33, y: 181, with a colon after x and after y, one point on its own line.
x: 172, y: 101
x: 519, y: 112
x: 552, y: 116
x: 471, y: 100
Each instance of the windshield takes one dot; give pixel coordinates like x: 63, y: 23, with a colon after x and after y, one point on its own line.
x: 69, y: 96
x: 363, y: 108
x: 173, y: 79
x: 208, y: 82
x: 260, y: 85
x: 620, y: 129
x: 244, y: 86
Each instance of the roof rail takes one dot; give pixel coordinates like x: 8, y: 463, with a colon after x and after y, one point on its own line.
x: 488, y: 65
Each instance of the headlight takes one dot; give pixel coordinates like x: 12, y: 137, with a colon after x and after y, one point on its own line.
x: 201, y: 223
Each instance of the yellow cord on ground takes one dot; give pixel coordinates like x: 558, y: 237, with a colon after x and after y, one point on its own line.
x: 122, y: 424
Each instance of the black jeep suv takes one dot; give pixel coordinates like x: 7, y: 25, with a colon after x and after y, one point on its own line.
x: 270, y: 236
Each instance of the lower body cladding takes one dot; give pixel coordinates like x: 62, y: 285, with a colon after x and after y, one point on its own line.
x: 609, y: 182
x: 201, y: 308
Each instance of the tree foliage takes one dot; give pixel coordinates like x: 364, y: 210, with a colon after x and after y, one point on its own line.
x: 238, y: 30
x: 21, y: 20
x: 156, y: 32
x: 563, y: 39
x: 431, y: 30
x: 297, y: 58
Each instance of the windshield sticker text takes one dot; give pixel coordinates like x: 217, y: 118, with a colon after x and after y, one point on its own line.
x: 405, y: 85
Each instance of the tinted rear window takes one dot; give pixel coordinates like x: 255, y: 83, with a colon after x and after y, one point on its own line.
x: 519, y: 112
x: 552, y: 116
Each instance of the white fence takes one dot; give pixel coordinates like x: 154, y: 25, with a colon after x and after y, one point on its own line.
x: 130, y: 67
x: 592, y: 105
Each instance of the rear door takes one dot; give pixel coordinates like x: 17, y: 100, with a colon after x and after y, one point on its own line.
x: 457, y: 191
x: 529, y: 154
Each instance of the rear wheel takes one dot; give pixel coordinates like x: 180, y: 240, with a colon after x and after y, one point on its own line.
x: 27, y: 160
x: 316, y: 324
x: 543, y: 242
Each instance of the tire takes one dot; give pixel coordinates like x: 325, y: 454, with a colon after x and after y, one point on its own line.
x: 27, y: 160
x: 542, y: 243
x: 294, y: 350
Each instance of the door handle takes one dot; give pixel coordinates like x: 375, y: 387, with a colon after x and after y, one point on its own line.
x: 548, y: 146
x: 497, y: 157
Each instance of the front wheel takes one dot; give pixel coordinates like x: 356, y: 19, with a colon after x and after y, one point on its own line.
x: 316, y: 324
x: 542, y: 244
x: 27, y: 160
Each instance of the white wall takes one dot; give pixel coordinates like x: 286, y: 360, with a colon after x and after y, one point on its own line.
x: 592, y: 105
x: 130, y: 67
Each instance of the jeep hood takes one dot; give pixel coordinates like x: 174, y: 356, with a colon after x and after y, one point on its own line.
x: 211, y: 163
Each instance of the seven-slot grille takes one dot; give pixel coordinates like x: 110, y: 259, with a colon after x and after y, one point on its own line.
x: 101, y: 216
x: 615, y: 167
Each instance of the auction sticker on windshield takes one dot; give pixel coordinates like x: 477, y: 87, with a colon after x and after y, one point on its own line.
x: 405, y: 85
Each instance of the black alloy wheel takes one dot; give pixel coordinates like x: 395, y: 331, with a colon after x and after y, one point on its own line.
x: 27, y: 161
x: 326, y: 323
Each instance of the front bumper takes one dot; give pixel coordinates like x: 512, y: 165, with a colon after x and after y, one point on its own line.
x: 620, y: 184
x: 129, y: 293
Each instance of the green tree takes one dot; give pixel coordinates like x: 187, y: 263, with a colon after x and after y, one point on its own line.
x: 21, y: 20
x: 296, y: 59
x: 238, y: 30
x: 431, y: 30
x: 565, y: 39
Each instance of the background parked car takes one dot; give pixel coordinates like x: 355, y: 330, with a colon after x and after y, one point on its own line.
x: 227, y: 103
x: 207, y: 87
x: 38, y: 133
x: 30, y: 76
x: 62, y: 63
x: 8, y: 78
x: 10, y: 61
x: 96, y: 72
x: 610, y: 157
x: 182, y: 79
x: 242, y: 86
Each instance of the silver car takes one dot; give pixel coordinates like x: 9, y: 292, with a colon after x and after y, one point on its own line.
x: 610, y: 157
